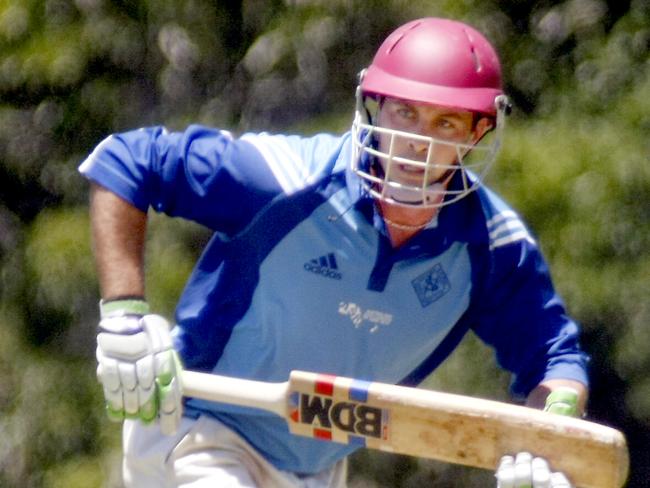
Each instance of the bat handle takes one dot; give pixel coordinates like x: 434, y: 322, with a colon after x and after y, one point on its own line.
x: 235, y: 391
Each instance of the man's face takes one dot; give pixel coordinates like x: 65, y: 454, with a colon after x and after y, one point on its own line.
x: 447, y: 126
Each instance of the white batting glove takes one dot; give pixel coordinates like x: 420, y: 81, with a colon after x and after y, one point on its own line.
x: 139, y: 368
x: 527, y: 471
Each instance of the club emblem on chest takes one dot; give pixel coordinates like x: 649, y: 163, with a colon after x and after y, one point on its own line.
x: 431, y: 285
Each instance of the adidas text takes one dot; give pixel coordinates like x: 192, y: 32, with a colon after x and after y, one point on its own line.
x: 324, y: 266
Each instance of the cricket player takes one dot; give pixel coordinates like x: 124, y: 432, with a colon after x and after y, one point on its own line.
x: 367, y: 255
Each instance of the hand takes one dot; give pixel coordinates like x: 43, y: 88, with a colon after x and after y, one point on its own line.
x: 139, y: 369
x: 526, y: 471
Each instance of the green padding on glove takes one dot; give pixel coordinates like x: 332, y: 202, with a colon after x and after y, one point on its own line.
x: 563, y: 401
x: 149, y: 411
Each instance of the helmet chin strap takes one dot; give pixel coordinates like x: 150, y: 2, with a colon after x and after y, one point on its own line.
x: 429, y: 196
x: 406, y: 227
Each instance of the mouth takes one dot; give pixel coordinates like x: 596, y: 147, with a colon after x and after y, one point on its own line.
x: 410, y: 169
x: 412, y: 174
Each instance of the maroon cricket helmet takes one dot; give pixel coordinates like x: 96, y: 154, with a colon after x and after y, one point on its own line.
x: 437, y: 61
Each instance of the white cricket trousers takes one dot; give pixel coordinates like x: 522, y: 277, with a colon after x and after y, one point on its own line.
x: 206, y: 454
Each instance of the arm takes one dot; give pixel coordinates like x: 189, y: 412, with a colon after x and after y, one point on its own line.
x: 195, y: 175
x: 118, y: 230
x: 137, y: 365
x: 524, y: 319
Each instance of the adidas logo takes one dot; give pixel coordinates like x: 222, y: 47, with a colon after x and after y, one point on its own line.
x: 325, y: 266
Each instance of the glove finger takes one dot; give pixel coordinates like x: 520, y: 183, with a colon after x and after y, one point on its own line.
x: 169, y: 422
x: 144, y: 369
x: 148, y: 404
x: 128, y: 377
x: 113, y: 396
x: 523, y: 470
x: 171, y: 407
x: 541, y: 473
x: 114, y: 415
x: 165, y: 367
x: 108, y: 373
x: 559, y: 480
x: 506, y: 472
x: 114, y: 404
x: 130, y: 388
x: 170, y: 397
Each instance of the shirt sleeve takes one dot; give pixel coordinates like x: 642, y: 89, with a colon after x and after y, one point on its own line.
x: 201, y: 174
x: 524, y: 319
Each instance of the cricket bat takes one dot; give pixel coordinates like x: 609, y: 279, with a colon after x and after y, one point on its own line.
x: 428, y: 424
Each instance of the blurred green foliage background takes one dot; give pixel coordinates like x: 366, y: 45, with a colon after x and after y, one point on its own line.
x: 576, y: 163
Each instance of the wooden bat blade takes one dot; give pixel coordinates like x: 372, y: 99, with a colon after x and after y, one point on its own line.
x: 446, y: 427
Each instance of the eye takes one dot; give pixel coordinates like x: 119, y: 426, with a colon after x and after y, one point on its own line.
x: 445, y: 123
x: 406, y: 112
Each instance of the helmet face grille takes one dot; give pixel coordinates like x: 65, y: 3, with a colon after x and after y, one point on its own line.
x: 379, y: 169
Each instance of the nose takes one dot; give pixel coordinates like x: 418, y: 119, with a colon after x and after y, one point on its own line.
x: 418, y: 147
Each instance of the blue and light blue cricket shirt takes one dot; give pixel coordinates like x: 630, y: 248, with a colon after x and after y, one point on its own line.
x: 300, y: 274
